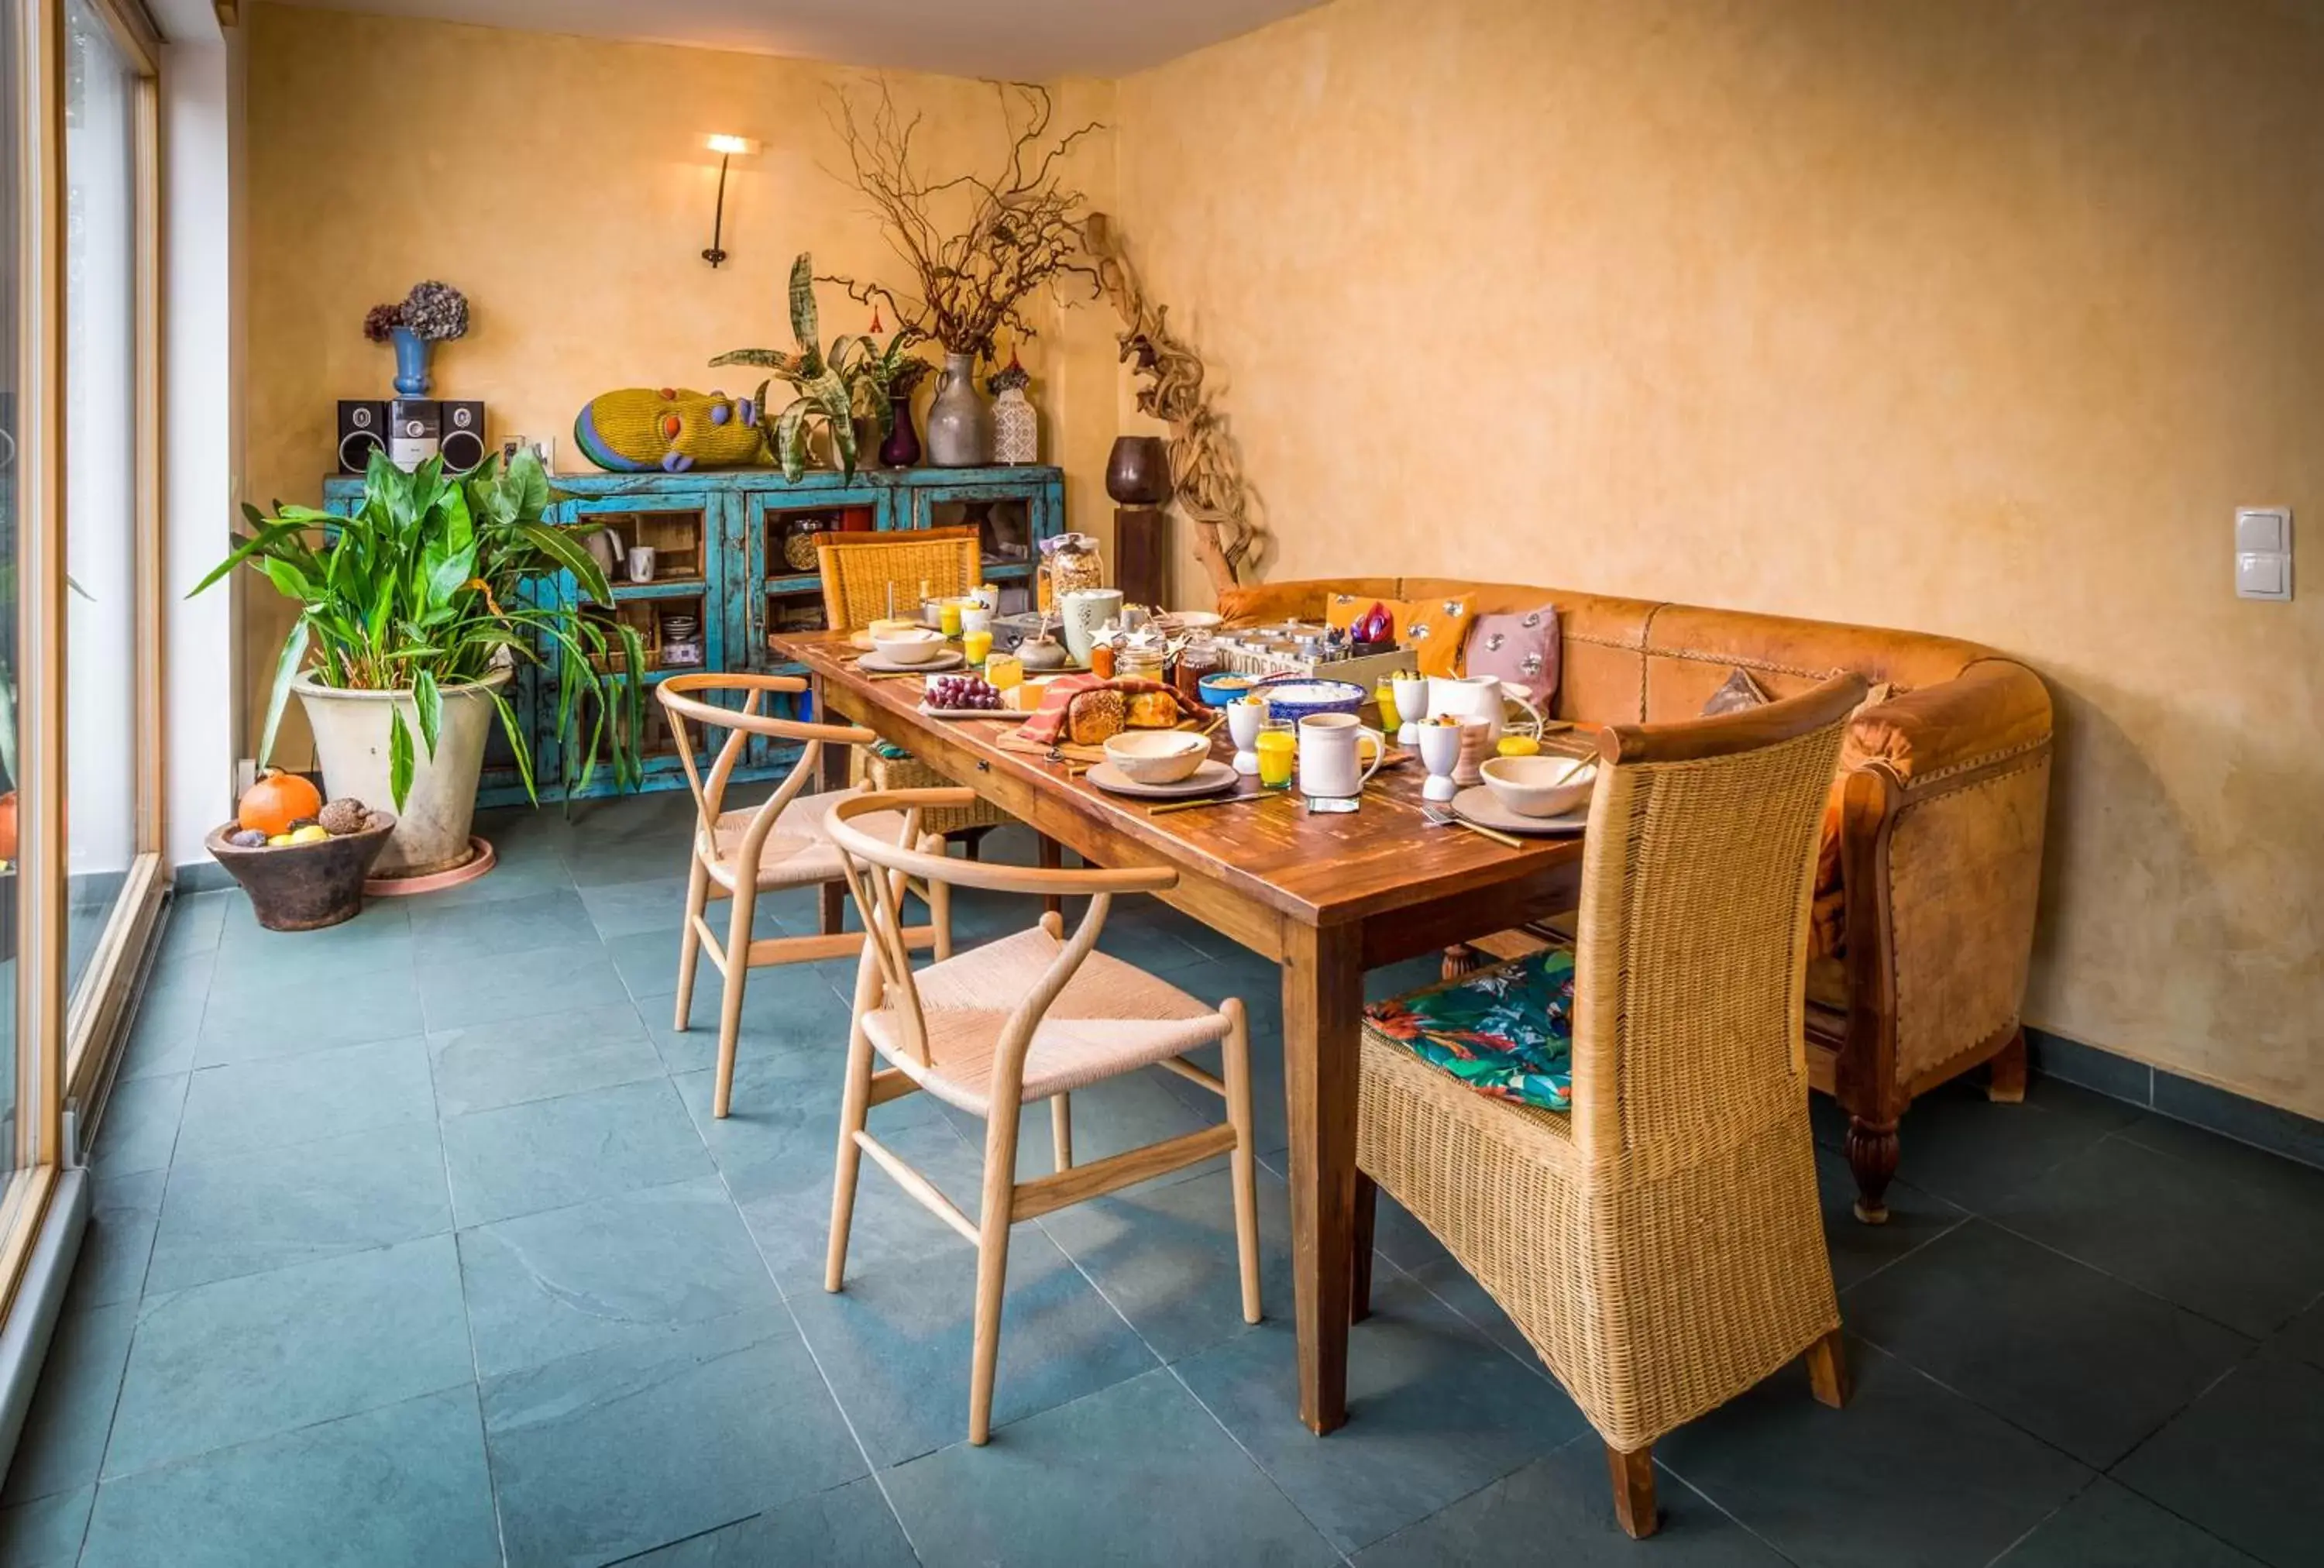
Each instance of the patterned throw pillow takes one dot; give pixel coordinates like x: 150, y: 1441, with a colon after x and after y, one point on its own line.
x: 1740, y: 692
x: 1522, y: 648
x: 1507, y: 1031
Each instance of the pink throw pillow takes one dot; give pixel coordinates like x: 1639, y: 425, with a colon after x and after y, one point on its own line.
x: 1521, y: 649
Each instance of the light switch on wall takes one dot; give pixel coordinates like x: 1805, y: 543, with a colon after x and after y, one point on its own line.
x: 2263, y: 552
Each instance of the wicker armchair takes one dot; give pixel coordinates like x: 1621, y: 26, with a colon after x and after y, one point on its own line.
x: 864, y: 574
x: 1660, y: 1244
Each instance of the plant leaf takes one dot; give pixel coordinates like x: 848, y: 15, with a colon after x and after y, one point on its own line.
x: 399, y: 758
x: 427, y: 702
x: 805, y: 325
x: 286, y: 670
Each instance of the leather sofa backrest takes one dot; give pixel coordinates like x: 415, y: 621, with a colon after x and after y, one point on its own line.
x: 1689, y: 651
x: 1602, y: 641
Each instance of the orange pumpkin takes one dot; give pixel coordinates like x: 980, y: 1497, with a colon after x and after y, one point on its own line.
x: 276, y: 801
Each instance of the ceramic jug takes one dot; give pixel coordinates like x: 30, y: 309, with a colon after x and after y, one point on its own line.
x: 960, y: 423
x: 1086, y: 612
x: 1330, y: 750
x: 1481, y: 697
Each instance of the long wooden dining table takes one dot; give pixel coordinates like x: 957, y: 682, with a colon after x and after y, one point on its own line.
x: 1326, y: 897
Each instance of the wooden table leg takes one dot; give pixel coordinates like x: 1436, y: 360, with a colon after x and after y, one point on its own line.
x: 1322, y: 1009
x: 831, y: 767
x: 1053, y: 857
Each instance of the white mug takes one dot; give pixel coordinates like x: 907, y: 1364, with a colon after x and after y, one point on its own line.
x: 641, y: 563
x: 1328, y: 743
x: 1084, y: 612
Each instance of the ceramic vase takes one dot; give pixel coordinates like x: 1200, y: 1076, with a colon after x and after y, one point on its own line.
x: 410, y: 363
x: 1138, y: 471
x: 901, y: 449
x: 960, y: 424
x: 1015, y: 428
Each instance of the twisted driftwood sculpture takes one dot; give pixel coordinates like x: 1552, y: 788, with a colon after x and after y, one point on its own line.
x: 1206, y: 469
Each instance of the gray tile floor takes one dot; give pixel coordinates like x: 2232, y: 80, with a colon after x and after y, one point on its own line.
x: 415, y: 1243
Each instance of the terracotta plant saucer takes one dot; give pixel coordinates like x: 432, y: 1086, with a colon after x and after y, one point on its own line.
x: 480, y: 861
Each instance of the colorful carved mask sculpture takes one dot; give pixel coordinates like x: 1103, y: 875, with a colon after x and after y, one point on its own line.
x: 640, y: 429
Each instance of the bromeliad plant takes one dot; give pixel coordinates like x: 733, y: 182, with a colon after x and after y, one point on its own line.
x: 428, y: 585
x: 853, y: 382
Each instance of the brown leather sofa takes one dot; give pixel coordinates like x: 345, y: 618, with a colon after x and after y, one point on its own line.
x: 1933, y: 844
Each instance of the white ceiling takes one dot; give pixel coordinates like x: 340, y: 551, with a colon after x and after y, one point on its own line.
x: 1024, y: 40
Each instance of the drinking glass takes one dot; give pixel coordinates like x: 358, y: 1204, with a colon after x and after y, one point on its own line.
x: 976, y: 645
x: 1277, y: 748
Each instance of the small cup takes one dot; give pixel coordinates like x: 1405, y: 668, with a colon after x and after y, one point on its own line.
x: 1244, y: 721
x: 976, y: 644
x: 948, y: 617
x: 1277, y: 747
x: 1411, y: 693
x: 1439, y: 752
x: 975, y: 616
x: 641, y: 563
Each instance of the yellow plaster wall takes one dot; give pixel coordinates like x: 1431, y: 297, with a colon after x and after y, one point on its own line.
x: 562, y: 182
x: 1978, y: 317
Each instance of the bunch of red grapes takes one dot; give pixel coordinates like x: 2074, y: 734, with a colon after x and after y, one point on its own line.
x: 963, y: 692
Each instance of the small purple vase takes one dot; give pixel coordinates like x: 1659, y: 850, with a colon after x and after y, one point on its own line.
x: 901, y: 449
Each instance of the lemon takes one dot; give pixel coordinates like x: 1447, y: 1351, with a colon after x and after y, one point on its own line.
x: 278, y: 841
x: 313, y: 833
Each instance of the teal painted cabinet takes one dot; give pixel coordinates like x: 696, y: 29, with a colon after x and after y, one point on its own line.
x: 734, y: 565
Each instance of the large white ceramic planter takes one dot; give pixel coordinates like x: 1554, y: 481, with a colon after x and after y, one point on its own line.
x: 351, y: 730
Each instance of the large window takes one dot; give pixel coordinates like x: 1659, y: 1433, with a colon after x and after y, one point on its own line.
x: 19, y: 1089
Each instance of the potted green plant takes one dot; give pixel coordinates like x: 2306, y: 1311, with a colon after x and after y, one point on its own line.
x: 414, y: 611
x: 835, y: 390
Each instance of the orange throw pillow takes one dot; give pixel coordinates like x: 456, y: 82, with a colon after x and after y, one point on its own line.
x: 1435, y: 631
x: 1341, y: 611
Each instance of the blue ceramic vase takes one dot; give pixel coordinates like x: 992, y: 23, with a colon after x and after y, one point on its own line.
x: 410, y: 363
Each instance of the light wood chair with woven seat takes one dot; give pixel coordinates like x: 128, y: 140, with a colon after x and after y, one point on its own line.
x: 1660, y: 1244
x: 779, y: 844
x: 1027, y: 1018
x: 864, y: 574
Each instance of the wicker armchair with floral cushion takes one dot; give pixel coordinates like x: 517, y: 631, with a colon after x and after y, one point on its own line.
x: 1613, y: 1138
x: 864, y: 574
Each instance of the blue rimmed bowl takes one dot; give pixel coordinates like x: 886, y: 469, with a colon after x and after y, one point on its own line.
x: 1227, y: 686
x: 1296, y: 697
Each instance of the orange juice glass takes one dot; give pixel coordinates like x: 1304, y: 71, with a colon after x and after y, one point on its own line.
x: 976, y: 645
x: 1279, y: 748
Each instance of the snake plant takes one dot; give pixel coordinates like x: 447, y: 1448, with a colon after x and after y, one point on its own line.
x: 428, y: 585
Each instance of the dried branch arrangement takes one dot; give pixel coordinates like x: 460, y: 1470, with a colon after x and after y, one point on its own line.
x: 1205, y: 468
x: 978, y: 245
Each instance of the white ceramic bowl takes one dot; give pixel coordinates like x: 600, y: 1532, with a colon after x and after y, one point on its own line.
x: 1157, y: 756
x: 913, y: 645
x: 1540, y: 786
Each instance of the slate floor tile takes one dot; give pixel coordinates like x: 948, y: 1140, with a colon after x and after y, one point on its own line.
x: 1915, y: 1218
x: 1565, y: 1498
x: 615, y: 1452
x: 258, y: 1012
x: 140, y: 1126
x: 558, y: 918
x: 1457, y: 1288
x: 490, y: 1065
x: 298, y: 1204
x: 195, y: 920
x: 2112, y: 1524
x: 2303, y: 1337
x: 605, y: 1272
x: 2229, y: 1231
x: 2243, y: 1463
x: 119, y: 1241
x: 257, y: 1105
x: 46, y: 1533
x: 630, y: 909
x: 244, y: 1359
x: 461, y: 992
x: 848, y: 1527
x: 1166, y: 1258
x: 169, y: 1022
x: 1961, y: 1147
x: 2070, y: 1354
x: 63, y: 1442
x: 378, y: 939
x: 895, y: 1343
x: 785, y: 1006
x: 1910, y: 1473
x: 545, y: 1154
x: 1270, y: 1133
x: 1405, y: 1453
x: 1058, y: 1489
x: 1108, y: 1118
x: 405, y: 1483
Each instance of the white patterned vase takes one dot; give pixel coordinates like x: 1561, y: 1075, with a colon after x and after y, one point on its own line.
x: 1015, y: 428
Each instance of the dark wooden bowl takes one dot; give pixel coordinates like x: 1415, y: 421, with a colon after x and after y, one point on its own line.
x: 304, y: 886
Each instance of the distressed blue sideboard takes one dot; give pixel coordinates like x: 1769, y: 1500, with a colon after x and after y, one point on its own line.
x: 719, y: 539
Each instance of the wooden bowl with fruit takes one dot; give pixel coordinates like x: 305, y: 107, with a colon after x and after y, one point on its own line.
x: 301, y: 860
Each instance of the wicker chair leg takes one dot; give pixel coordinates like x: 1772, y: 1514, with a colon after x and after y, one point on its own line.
x: 1828, y: 1370
x: 2008, y: 1086
x: 854, y: 1108
x: 1360, y: 1248
x: 689, y: 941
x: 1871, y: 1149
x: 1633, y: 1475
x: 730, y: 1012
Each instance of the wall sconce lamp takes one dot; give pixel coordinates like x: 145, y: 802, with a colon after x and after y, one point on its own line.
x: 726, y: 147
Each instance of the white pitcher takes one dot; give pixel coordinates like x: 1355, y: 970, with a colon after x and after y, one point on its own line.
x: 1481, y: 697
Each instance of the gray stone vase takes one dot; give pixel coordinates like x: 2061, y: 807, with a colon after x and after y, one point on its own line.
x: 960, y: 421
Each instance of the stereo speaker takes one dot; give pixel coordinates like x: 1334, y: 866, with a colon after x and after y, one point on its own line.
x: 362, y: 430
x: 463, y: 441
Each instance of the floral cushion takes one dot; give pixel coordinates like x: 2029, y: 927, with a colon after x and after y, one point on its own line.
x: 1507, y: 1031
